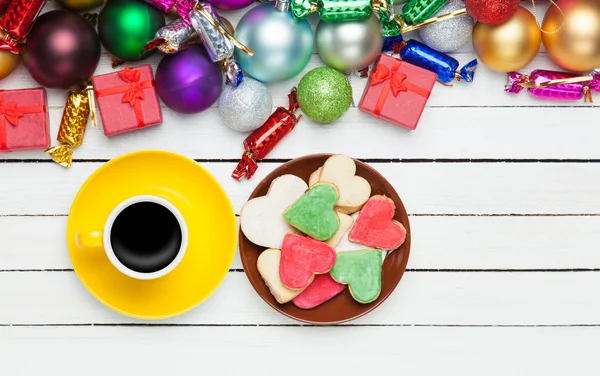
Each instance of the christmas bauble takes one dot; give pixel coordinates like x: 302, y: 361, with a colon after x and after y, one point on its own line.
x: 230, y: 4
x: 246, y: 107
x: 351, y: 45
x: 449, y: 35
x: 125, y: 26
x: 8, y: 61
x: 81, y: 5
x: 188, y: 81
x: 282, y: 47
x: 324, y: 94
x: 509, y: 46
x: 492, y: 12
x: 576, y: 46
x: 62, y: 49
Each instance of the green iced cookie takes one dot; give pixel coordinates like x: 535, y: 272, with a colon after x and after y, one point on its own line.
x: 313, y: 213
x: 361, y: 271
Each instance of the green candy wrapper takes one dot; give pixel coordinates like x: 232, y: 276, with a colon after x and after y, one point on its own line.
x: 341, y: 10
x: 417, y: 11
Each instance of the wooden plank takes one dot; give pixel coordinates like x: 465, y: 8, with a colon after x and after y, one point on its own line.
x: 426, y: 188
x: 37, y: 243
x: 455, y: 133
x: 422, y: 298
x: 268, y: 351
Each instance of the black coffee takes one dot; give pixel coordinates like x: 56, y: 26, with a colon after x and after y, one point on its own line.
x: 146, y: 237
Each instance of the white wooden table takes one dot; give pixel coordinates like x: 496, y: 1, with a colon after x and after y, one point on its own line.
x: 502, y: 193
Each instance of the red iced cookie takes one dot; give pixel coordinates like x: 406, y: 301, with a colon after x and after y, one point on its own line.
x: 318, y: 292
x: 302, y: 258
x: 376, y: 227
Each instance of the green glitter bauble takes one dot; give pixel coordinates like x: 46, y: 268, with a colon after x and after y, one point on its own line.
x: 125, y: 26
x: 324, y: 94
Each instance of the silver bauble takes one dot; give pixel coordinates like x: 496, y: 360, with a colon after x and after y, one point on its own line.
x: 449, y: 35
x: 246, y: 107
x: 348, y: 46
x: 282, y: 47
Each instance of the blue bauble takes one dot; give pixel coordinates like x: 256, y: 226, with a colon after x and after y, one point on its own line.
x: 282, y: 47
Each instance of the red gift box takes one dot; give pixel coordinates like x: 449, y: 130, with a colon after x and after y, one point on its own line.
x: 24, y: 123
x: 127, y: 100
x: 397, y: 92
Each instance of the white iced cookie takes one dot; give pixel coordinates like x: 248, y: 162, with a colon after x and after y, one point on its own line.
x: 262, y: 217
x: 354, y: 190
x: 268, y: 267
x: 346, y: 222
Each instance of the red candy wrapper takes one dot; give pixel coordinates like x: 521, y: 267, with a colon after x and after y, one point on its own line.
x: 260, y: 142
x: 24, y: 123
x: 18, y: 21
x: 397, y: 92
x: 127, y: 100
x: 3, y: 5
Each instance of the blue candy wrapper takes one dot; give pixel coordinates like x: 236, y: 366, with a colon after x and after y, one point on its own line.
x: 445, y: 66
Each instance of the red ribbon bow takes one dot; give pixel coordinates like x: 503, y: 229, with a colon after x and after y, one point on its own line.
x: 133, y: 91
x: 11, y: 112
x: 394, y: 81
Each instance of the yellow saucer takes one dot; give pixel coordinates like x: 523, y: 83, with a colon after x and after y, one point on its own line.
x: 202, y: 202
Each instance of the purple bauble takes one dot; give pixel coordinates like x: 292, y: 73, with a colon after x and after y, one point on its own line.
x: 62, y: 49
x: 188, y: 81
x: 230, y: 4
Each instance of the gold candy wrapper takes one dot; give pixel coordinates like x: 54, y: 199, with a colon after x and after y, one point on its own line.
x: 80, y: 104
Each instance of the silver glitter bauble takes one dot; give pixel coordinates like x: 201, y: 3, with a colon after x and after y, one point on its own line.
x: 449, y: 35
x: 348, y: 46
x: 246, y: 107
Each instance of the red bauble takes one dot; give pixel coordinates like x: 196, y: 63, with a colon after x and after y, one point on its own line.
x: 492, y: 12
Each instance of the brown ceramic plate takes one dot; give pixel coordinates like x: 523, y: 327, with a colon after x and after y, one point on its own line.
x: 343, y: 307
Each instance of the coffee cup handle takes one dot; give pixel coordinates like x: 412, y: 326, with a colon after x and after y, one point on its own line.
x: 89, y: 239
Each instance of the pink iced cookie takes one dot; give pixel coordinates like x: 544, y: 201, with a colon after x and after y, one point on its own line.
x: 376, y: 227
x: 318, y: 292
x: 302, y: 258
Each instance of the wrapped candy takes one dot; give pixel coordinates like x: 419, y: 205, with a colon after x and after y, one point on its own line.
x: 219, y: 44
x: 397, y: 25
x: 340, y: 10
x: 260, y: 142
x: 80, y: 105
x: 3, y: 5
x: 553, y: 85
x: 417, y: 11
x: 445, y: 66
x: 172, y: 37
x: 162, y: 5
x: 17, y: 22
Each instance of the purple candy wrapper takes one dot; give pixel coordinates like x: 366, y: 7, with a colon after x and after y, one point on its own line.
x: 553, y: 85
x: 162, y: 5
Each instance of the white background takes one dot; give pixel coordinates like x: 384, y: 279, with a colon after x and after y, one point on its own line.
x: 503, y: 276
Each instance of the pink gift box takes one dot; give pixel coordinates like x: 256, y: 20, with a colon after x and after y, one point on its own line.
x: 127, y: 100
x: 397, y: 92
x: 24, y: 123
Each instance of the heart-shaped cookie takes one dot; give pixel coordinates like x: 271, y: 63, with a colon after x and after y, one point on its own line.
x: 354, y: 190
x: 376, y: 227
x: 268, y: 267
x: 314, y: 177
x: 321, y: 289
x: 361, y: 271
x: 313, y: 212
x: 346, y: 222
x: 302, y: 258
x: 261, y: 218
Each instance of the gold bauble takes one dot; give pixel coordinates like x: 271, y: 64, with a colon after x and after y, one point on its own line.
x: 509, y: 46
x: 8, y: 61
x: 81, y: 5
x: 576, y: 46
x: 228, y: 25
